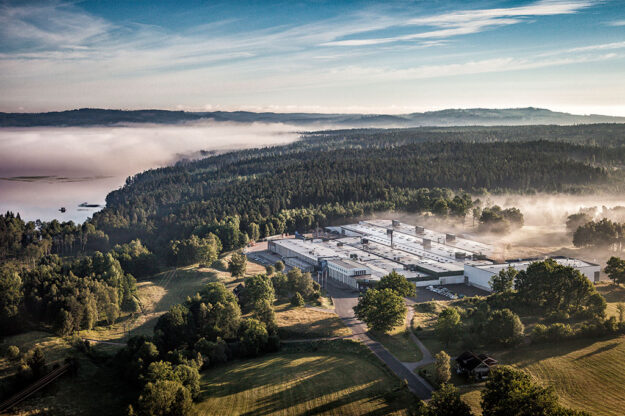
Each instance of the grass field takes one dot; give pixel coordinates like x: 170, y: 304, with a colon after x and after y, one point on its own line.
x: 302, y: 383
x: 158, y: 294
x: 587, y: 374
x: 303, y: 322
x: 53, y: 347
x: 398, y: 342
x: 84, y: 394
x: 613, y: 296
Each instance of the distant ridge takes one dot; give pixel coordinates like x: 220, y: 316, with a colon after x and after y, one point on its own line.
x: 450, y: 117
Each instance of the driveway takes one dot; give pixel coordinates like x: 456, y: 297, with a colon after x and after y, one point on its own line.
x: 344, y: 301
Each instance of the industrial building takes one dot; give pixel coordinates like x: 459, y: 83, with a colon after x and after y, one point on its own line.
x: 479, y: 276
x: 359, y: 255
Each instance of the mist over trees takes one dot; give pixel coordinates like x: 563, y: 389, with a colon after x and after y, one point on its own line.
x: 334, y: 176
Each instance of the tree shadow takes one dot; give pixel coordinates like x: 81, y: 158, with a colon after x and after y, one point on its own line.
x: 600, y: 350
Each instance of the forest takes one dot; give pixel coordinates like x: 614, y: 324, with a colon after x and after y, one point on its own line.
x: 332, y: 176
x: 191, y: 212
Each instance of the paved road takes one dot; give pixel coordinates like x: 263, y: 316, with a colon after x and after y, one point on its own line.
x: 344, y: 302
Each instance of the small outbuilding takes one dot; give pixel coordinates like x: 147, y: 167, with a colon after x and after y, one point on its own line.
x: 475, y: 366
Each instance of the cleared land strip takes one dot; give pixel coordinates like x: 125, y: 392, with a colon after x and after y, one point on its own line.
x: 33, y: 388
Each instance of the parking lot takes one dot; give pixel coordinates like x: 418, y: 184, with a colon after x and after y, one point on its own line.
x: 447, y: 292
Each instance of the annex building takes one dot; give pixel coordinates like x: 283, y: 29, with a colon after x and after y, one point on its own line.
x: 358, y: 255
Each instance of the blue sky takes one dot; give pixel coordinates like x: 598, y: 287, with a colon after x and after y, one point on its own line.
x: 322, y: 56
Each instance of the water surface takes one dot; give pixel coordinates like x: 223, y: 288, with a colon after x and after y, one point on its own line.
x: 44, y: 169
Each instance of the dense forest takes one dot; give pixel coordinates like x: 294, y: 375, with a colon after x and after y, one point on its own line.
x: 61, y: 275
x: 332, y: 176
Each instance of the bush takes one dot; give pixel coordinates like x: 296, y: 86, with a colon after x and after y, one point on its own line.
x: 539, y: 333
x: 504, y: 327
x: 297, y: 300
x: 253, y: 337
x: 13, y: 353
x: 165, y: 398
x: 219, y: 265
x: 270, y: 270
x: 559, y: 331
x: 212, y: 352
x: 279, y: 266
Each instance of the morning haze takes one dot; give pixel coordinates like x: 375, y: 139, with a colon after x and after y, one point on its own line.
x: 312, y: 207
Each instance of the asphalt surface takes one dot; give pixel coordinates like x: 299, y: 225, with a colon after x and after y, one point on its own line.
x: 344, y: 301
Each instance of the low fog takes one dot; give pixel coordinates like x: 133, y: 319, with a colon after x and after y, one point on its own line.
x: 43, y: 169
x: 544, y: 231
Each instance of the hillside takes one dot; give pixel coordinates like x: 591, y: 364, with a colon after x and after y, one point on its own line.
x: 332, y: 176
x: 449, y: 117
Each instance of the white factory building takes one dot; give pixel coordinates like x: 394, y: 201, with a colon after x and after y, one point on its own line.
x: 480, y: 275
x: 359, y: 255
x: 348, y: 272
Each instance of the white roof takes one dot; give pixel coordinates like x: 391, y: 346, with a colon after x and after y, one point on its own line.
x: 522, y: 265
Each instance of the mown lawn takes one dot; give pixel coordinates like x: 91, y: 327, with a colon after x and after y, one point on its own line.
x: 303, y: 383
x: 587, y: 374
x: 398, y: 342
x: 294, y: 323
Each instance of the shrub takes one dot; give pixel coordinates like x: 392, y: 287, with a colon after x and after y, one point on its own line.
x: 559, y: 331
x: 539, y: 333
x: 253, y: 337
x: 13, y: 353
x: 219, y: 265
x: 297, y: 300
x: 504, y: 327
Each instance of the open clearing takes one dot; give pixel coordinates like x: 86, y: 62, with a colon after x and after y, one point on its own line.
x: 294, y: 323
x: 302, y: 383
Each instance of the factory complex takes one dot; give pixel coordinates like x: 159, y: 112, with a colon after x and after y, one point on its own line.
x: 359, y: 255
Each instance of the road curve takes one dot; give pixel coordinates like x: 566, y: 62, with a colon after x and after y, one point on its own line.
x: 344, y: 301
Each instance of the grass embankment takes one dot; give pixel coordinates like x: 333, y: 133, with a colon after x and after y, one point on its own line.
x: 334, y: 380
x: 398, y: 342
x: 295, y: 323
x: 587, y: 374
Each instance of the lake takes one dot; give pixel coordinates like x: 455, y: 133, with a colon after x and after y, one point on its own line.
x: 44, y: 169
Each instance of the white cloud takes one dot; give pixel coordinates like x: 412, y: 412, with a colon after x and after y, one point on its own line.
x: 616, y: 23
x: 471, y: 21
x: 50, y: 25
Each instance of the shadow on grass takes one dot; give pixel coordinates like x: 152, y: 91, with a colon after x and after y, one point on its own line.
x: 600, y: 350
x: 295, y: 378
x: 526, y: 355
x: 325, y: 327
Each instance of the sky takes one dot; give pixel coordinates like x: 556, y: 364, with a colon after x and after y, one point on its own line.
x: 314, y: 56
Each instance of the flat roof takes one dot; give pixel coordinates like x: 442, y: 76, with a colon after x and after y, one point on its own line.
x: 348, y: 264
x: 460, y: 242
x: 522, y: 265
x: 306, y: 247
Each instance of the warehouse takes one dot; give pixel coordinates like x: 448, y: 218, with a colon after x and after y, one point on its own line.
x: 358, y: 255
x: 480, y: 275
